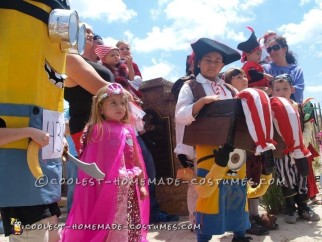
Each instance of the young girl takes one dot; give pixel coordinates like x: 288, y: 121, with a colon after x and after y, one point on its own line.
x: 126, y: 57
x: 122, y: 71
x: 116, y: 200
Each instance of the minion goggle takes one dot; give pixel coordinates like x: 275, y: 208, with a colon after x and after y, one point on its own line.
x: 63, y: 25
x: 64, y: 28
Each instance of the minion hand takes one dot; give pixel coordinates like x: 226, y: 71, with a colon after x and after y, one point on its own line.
x: 260, y: 190
x: 185, y: 162
x: 222, y: 155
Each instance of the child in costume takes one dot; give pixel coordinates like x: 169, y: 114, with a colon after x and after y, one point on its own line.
x: 238, y: 79
x: 123, y: 71
x: 135, y: 80
x: 219, y: 201
x: 251, y: 56
x: 126, y: 57
x: 31, y: 98
x: 121, y: 197
x: 308, y: 120
x: 293, y: 168
x: 255, y: 102
x: 186, y: 153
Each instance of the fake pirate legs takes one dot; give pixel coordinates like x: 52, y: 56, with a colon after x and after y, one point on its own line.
x: 257, y: 110
x: 287, y: 123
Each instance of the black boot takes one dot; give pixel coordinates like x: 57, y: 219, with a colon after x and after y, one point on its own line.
x: 304, y: 210
x: 268, y: 162
x: 290, y: 208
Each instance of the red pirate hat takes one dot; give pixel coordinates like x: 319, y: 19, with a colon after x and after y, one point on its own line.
x: 249, y: 45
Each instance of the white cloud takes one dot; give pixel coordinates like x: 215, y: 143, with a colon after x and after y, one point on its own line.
x: 185, y: 27
x: 208, y: 18
x: 158, y: 39
x: 308, y: 32
x: 303, y: 2
x: 158, y: 69
x: 155, y: 13
x: 163, y: 2
x: 309, y: 28
x: 110, y: 41
x: 110, y: 10
x: 319, y: 2
x: 313, y: 89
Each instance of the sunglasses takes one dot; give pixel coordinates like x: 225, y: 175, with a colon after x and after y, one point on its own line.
x: 274, y: 47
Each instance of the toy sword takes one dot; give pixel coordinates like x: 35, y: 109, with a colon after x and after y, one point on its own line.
x: 89, y: 168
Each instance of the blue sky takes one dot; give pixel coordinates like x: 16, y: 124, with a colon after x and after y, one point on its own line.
x: 160, y: 31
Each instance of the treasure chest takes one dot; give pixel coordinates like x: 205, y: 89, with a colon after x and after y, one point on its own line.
x: 223, y: 122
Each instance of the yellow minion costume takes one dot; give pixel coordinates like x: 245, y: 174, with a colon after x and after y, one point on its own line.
x: 31, y: 95
x: 222, y: 201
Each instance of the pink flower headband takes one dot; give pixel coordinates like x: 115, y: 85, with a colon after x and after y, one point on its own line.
x: 112, y: 89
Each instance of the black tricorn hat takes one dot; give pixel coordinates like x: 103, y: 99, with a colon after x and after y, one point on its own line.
x: 205, y: 45
x: 250, y: 44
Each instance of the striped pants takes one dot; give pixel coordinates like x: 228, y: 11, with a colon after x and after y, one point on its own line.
x: 288, y: 175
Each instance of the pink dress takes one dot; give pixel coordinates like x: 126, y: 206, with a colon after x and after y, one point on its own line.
x: 109, y: 209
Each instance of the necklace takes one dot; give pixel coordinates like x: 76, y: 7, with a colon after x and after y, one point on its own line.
x: 216, y: 88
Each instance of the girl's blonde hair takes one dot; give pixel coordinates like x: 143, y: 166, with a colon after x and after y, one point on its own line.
x: 96, y: 117
x: 120, y: 42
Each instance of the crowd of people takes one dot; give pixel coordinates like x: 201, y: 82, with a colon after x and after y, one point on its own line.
x: 254, y: 81
x: 276, y: 86
x: 104, y: 120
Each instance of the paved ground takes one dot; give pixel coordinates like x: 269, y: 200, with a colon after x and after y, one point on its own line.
x: 302, y: 231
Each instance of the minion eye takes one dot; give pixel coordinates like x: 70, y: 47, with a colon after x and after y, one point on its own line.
x: 236, y: 159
